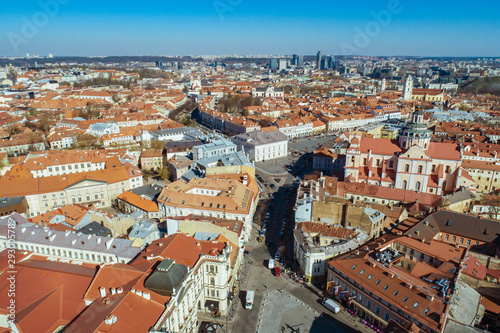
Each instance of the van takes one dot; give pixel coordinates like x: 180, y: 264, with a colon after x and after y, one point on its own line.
x: 270, y: 264
x: 249, y: 300
x: 331, y: 305
x: 277, y: 271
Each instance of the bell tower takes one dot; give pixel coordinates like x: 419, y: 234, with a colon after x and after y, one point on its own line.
x: 408, y: 89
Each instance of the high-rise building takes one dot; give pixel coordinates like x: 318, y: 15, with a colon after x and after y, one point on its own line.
x: 331, y: 62
x: 300, y: 62
x: 282, y: 64
x: 324, y: 64
x: 273, y: 64
x: 295, y: 59
x: 319, y: 56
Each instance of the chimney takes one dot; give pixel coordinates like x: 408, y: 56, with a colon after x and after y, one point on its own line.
x: 113, y: 291
x: 146, y: 295
x: 102, y: 291
x: 119, y: 290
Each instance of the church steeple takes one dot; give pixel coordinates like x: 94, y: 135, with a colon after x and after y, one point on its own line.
x: 408, y: 89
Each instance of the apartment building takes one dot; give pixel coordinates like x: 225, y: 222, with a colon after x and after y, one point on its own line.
x: 316, y: 243
x: 220, y: 197
x: 65, y: 246
x: 407, y: 283
x: 151, y: 159
x: 45, y: 194
x: 217, y: 147
x: 171, y: 281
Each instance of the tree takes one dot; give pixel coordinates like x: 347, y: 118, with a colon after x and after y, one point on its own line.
x: 164, y: 173
x: 493, y: 203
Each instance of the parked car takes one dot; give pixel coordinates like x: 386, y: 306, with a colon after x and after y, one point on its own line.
x: 277, y: 271
x: 249, y: 299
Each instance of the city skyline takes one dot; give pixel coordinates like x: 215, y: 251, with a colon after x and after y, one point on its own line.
x: 392, y: 28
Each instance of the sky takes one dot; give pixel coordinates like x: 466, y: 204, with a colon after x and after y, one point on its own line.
x: 244, y: 27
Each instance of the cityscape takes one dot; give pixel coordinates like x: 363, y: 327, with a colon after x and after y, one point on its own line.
x: 235, y: 167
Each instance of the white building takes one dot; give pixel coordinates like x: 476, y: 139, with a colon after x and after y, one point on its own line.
x: 269, y: 91
x: 262, y: 146
x: 217, y: 147
x: 100, y: 129
x: 65, y: 246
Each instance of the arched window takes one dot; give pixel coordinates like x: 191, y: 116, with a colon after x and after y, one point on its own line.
x: 420, y: 168
x: 407, y: 168
x: 405, y: 184
x: 417, y: 186
x: 212, y: 281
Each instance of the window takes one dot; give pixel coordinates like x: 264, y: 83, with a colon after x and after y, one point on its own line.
x: 387, y: 317
x: 378, y: 282
x: 420, y: 169
x: 433, y: 168
x: 391, y: 164
x: 405, y: 299
x: 405, y: 184
x: 454, y: 238
x: 362, y: 271
x: 407, y: 168
x: 368, y: 304
x: 468, y: 242
x: 415, y: 305
x: 364, y: 161
x: 370, y: 276
x: 353, y: 267
x: 446, y: 237
x: 396, y: 293
x: 386, y: 287
x: 426, y: 311
x: 461, y: 241
x: 377, y: 311
x: 417, y: 186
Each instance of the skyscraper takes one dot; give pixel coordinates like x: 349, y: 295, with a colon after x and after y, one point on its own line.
x: 273, y: 64
x: 331, y: 62
x: 300, y: 62
x: 282, y: 64
x: 319, y: 56
x: 295, y: 59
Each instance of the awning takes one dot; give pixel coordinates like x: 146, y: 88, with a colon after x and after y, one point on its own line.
x: 210, y: 304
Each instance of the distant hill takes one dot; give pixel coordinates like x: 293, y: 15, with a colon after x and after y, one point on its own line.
x: 483, y: 85
x: 23, y: 62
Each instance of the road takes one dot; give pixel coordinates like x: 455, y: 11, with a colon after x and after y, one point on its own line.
x: 281, y: 305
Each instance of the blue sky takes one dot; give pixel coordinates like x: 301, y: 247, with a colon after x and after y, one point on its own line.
x: 98, y: 28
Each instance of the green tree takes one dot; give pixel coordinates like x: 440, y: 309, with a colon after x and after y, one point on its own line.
x: 164, y: 173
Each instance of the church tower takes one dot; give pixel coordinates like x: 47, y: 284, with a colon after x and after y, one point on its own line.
x: 415, y: 133
x: 408, y: 89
